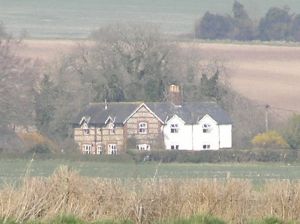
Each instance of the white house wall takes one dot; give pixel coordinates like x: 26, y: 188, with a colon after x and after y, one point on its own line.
x: 182, y: 138
x: 192, y: 137
x: 225, y: 136
x: 210, y: 138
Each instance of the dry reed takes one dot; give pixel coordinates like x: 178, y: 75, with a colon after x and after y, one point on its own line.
x: 147, y: 200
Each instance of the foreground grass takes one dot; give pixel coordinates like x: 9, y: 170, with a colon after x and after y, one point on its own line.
x: 64, y: 220
x: 192, y: 220
x: 150, y: 200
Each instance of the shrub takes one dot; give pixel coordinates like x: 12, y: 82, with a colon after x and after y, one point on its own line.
x: 269, y: 140
x: 292, y: 132
x: 270, y: 220
x: 40, y: 148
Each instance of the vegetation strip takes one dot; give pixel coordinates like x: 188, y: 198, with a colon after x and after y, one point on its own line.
x: 147, y: 200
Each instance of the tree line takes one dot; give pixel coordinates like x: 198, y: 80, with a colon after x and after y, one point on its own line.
x: 278, y: 24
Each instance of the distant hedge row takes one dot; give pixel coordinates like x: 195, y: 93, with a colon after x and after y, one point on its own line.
x: 164, y: 156
x: 219, y: 156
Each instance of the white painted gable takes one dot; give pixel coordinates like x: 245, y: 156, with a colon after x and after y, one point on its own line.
x: 176, y: 134
x: 207, y: 119
x: 206, y: 134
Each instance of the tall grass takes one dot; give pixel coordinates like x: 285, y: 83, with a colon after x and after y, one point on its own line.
x: 147, y: 200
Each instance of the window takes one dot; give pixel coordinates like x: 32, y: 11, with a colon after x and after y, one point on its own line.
x: 99, y: 150
x: 85, y: 128
x: 206, y: 128
x: 143, y: 147
x: 112, y: 149
x: 87, y: 149
x: 86, y: 131
x: 206, y: 146
x: 143, y: 126
x: 174, y: 128
x: 174, y: 147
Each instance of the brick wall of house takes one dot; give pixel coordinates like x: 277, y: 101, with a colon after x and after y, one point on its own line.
x: 153, y: 128
x: 100, y: 136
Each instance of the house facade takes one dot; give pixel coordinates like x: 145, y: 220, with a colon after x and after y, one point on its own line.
x: 111, y: 128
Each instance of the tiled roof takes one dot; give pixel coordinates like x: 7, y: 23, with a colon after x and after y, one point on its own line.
x: 190, y: 112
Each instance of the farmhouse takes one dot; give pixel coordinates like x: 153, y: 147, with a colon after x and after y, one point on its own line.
x: 112, y: 128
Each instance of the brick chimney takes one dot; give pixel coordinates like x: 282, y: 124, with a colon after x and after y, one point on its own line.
x: 174, y: 95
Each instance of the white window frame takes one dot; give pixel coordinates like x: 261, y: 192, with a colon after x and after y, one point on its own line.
x: 112, y: 149
x: 143, y: 147
x: 206, y: 128
x: 143, y: 128
x: 87, y: 149
x: 174, y: 147
x: 174, y: 128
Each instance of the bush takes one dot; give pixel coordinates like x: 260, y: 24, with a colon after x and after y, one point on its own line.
x: 271, y: 220
x: 40, y: 148
x: 269, y: 140
x: 292, y: 132
x: 220, y: 156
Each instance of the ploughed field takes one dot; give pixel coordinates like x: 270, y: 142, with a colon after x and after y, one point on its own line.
x: 264, y: 73
x: 12, y: 170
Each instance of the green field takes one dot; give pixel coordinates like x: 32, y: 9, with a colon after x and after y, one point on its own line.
x: 76, y: 18
x: 14, y: 169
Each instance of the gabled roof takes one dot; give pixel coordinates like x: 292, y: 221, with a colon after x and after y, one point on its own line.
x: 190, y: 112
x: 150, y: 111
x: 117, y: 111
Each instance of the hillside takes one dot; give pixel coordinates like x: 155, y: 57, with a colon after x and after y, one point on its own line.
x: 266, y: 74
x: 77, y: 18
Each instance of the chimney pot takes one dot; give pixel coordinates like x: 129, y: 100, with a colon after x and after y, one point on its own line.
x: 174, y: 95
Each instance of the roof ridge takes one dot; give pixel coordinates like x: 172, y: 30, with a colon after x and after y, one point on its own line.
x: 122, y: 102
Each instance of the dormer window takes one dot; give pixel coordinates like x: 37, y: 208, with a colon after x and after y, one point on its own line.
x: 85, y: 129
x: 143, y: 128
x: 206, y: 128
x: 174, y: 128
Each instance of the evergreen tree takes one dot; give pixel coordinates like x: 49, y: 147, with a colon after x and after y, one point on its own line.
x: 45, y: 104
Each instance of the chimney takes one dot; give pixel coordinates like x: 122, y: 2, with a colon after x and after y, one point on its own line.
x: 174, y: 95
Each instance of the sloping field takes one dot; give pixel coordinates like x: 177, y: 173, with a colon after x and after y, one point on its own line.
x: 266, y: 74
x: 77, y: 18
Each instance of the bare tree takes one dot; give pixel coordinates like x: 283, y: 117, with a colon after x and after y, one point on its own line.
x: 17, y: 80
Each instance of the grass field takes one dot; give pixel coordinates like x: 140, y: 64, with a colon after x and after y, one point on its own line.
x: 76, y: 18
x: 11, y: 170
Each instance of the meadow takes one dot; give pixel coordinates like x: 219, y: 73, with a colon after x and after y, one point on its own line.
x: 77, y: 18
x: 12, y: 170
